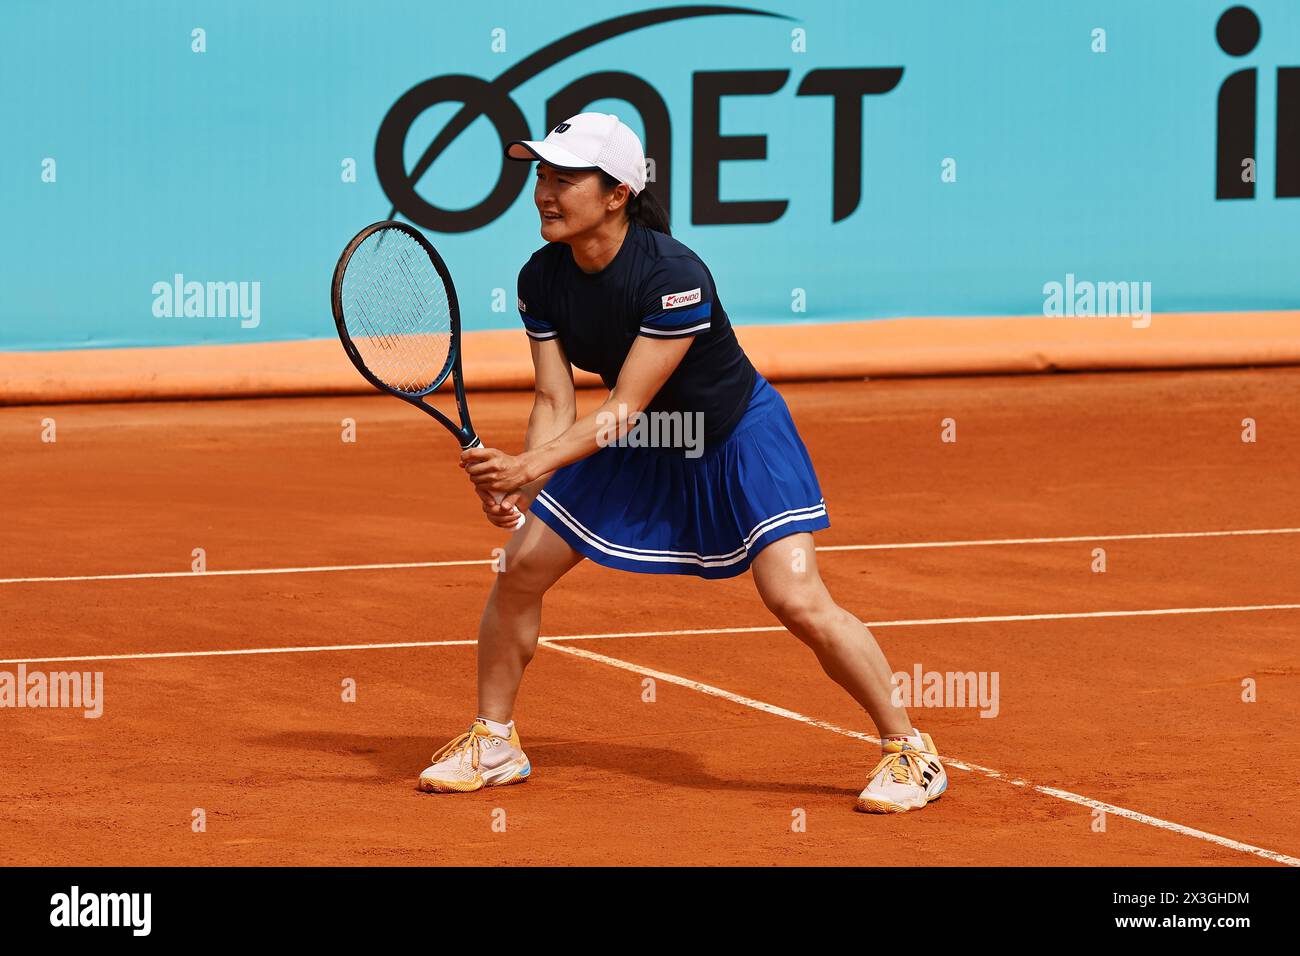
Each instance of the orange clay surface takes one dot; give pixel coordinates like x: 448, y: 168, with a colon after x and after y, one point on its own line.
x: 1134, y: 721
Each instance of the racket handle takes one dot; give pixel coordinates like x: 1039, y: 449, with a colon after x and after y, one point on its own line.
x: 519, y: 522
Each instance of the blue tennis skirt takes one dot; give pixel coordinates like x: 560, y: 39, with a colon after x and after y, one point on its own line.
x: 658, y: 511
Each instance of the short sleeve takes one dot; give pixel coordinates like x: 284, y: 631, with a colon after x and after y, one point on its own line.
x: 677, y: 300
x: 531, y: 307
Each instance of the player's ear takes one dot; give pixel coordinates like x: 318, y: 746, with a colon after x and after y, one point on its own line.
x: 621, y: 192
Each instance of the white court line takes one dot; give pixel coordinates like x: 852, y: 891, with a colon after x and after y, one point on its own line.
x: 693, y: 631
x: 238, y: 652
x: 320, y: 569
x: 1066, y: 795
x: 989, y: 619
x: 979, y: 543
x: 242, y: 571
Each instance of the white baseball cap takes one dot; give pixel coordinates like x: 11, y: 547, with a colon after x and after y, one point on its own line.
x: 589, y: 141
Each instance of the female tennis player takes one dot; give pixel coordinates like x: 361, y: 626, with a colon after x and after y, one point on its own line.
x: 613, y: 293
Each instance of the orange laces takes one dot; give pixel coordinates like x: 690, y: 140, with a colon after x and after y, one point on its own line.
x: 470, y: 741
x: 903, y: 766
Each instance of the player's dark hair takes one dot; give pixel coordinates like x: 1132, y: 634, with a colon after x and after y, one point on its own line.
x: 642, y: 208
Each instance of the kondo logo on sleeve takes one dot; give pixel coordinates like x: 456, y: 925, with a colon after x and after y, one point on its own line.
x: 678, y: 299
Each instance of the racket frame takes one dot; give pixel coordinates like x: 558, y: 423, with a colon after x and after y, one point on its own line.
x: 464, y: 432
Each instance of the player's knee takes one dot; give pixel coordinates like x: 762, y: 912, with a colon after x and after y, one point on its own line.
x: 804, y: 614
x: 523, y: 577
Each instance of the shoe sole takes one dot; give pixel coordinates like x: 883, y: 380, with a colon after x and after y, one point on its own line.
x: 869, y: 805
x: 469, y: 786
x: 872, y: 805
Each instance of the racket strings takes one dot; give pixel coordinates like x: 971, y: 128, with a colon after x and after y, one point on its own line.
x: 399, y: 319
x: 397, y: 312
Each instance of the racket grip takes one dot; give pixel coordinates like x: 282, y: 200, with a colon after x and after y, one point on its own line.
x: 519, y: 522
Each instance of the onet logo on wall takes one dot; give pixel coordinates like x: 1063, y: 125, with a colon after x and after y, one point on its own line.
x: 491, y: 99
x: 1238, y: 33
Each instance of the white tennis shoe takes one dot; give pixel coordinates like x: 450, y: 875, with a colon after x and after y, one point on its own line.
x: 908, y: 777
x: 476, y: 759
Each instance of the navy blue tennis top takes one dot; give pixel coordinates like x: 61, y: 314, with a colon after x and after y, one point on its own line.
x: 654, y: 286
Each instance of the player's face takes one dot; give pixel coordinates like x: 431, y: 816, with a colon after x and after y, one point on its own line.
x: 570, y: 202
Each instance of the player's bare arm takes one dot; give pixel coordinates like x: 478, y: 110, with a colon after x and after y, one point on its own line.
x: 648, y: 366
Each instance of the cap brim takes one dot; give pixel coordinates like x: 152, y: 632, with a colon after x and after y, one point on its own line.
x: 549, y: 153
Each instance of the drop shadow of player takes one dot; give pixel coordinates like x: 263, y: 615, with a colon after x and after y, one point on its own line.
x: 573, y: 762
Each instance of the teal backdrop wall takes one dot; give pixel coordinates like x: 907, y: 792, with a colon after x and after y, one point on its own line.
x: 227, y: 164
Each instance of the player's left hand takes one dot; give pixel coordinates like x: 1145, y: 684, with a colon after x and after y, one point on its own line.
x: 494, y: 470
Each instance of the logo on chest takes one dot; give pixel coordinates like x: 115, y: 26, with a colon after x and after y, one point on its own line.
x: 678, y: 299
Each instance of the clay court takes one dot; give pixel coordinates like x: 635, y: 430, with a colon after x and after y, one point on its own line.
x: 1120, y: 691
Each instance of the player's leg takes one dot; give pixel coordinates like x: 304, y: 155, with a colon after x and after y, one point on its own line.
x: 786, y: 575
x: 490, y: 753
x: 535, y: 558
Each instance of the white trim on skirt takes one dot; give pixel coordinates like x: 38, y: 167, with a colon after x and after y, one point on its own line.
x: 678, y: 557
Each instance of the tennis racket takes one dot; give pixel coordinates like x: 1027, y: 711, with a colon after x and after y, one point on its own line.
x: 396, y: 311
